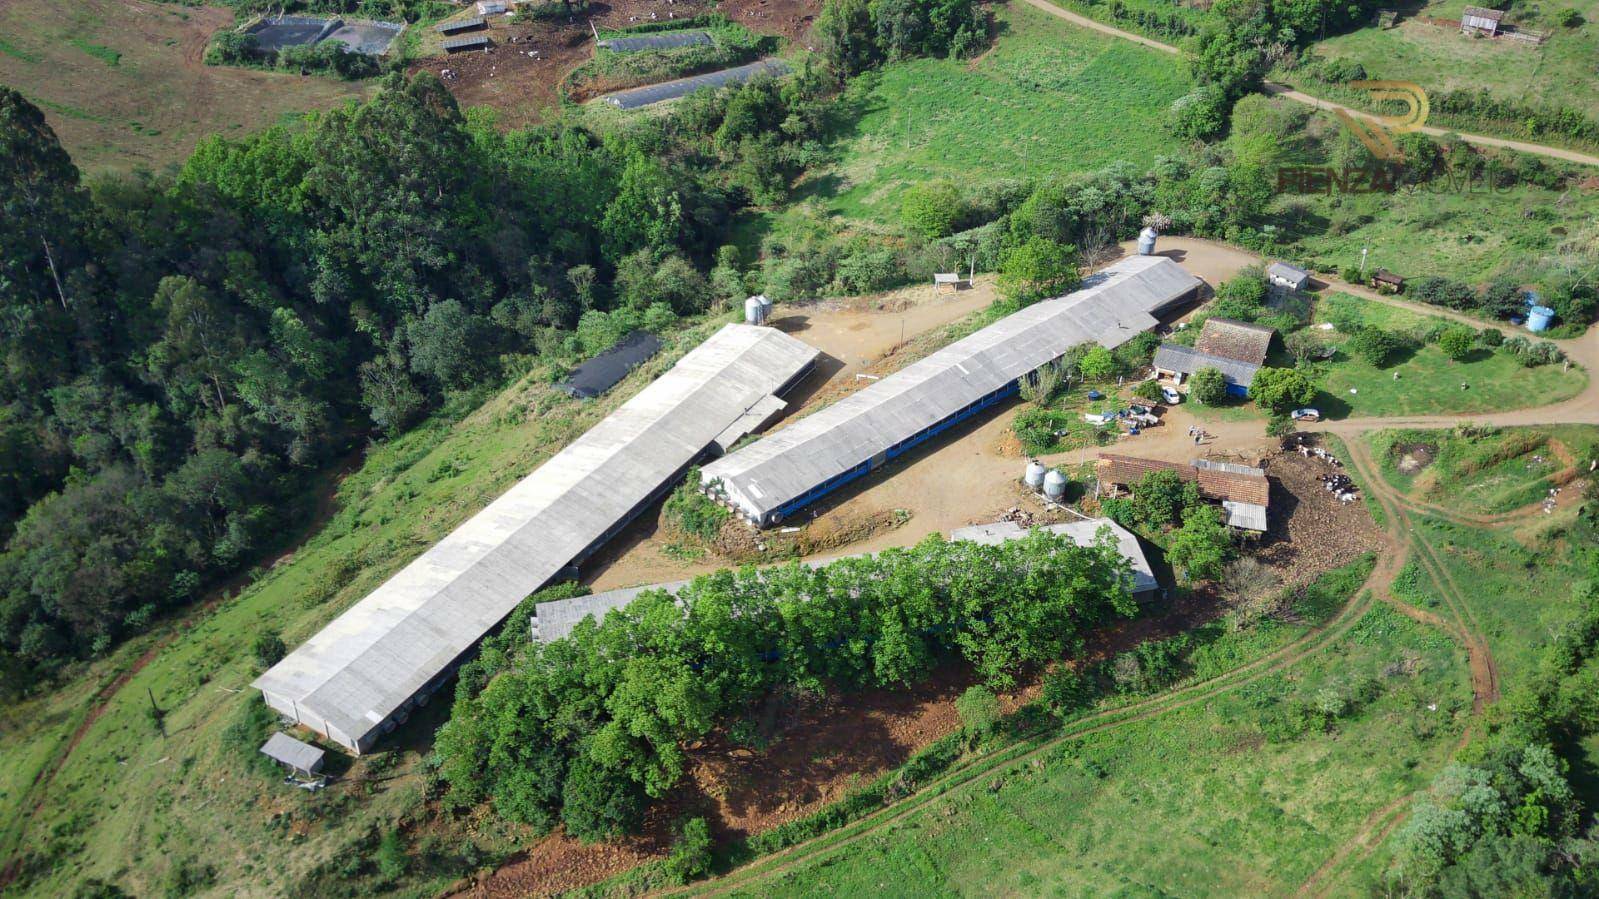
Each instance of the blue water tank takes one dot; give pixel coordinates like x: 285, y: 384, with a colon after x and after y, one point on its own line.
x: 1539, y: 317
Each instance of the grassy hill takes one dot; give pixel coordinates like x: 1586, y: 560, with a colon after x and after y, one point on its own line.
x: 123, y: 84
x: 1047, y: 99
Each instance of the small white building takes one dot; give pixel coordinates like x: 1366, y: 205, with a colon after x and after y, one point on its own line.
x: 491, y: 7
x: 1480, y: 20
x: 1292, y: 277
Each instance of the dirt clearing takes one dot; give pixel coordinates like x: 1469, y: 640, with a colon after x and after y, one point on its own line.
x: 124, y: 85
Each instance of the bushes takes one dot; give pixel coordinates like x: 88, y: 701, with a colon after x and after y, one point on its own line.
x: 855, y: 35
x: 692, y: 512
x: 932, y: 209
x: 1457, y: 342
x: 1041, y: 431
x: 1037, y: 269
x: 978, y: 709
x: 690, y: 858
x: 591, y: 726
x: 1376, y: 346
x: 1209, y: 386
x: 1282, y: 390
x: 269, y: 649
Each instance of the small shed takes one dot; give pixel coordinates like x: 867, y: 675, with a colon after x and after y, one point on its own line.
x: 460, y: 26
x: 1292, y: 277
x: 949, y: 281
x: 491, y: 7
x: 602, y: 372
x: 299, y: 757
x: 1480, y: 20
x: 1386, y: 281
x: 470, y: 42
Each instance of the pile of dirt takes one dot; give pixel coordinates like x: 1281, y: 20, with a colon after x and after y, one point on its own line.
x: 738, y: 542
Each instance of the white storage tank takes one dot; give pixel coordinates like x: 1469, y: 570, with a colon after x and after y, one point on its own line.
x: 1035, y: 475
x: 1146, y: 241
x: 766, y: 306
x: 1054, y: 484
x: 755, y: 310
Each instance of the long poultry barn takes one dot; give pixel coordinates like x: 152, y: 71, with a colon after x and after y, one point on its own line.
x: 362, y: 674
x: 788, y: 470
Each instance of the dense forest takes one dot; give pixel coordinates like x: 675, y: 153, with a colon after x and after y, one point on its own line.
x: 185, y: 353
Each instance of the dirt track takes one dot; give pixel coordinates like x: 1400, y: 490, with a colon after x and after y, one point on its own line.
x: 1283, y: 90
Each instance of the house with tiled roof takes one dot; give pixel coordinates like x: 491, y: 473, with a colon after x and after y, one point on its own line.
x: 1242, y: 490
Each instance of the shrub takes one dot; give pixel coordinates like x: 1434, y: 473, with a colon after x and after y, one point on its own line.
x: 1037, y: 429
x: 1148, y: 390
x: 1066, y: 691
x: 1490, y: 337
x: 391, y: 858
x: 1201, y: 546
x: 694, y: 513
x: 598, y: 803
x: 978, y: 708
x: 1199, y: 114
x: 1208, y: 386
x: 269, y: 649
x: 690, y: 858
x: 1036, y: 269
x: 932, y: 209
x: 1098, y: 364
x: 1569, y: 18
x: 1457, y: 342
x: 1375, y: 345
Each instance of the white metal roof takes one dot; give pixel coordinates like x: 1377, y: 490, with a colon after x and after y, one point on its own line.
x: 1111, y: 307
x: 283, y: 748
x: 1249, y: 516
x: 347, y: 680
x: 556, y: 619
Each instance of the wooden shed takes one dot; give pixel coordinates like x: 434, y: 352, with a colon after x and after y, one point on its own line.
x: 1386, y: 281
x: 1481, y: 20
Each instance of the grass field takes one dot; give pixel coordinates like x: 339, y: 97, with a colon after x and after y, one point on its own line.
x: 1428, y: 381
x: 123, y: 85
x: 134, y: 805
x: 1047, y: 99
x: 1471, y: 236
x: 1209, y: 800
x: 1557, y: 73
x: 1495, y: 473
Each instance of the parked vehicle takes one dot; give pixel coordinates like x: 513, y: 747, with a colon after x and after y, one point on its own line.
x: 1306, y: 414
x: 1170, y: 395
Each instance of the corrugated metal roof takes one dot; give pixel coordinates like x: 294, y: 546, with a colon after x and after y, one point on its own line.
x: 460, y: 25
x: 1112, y: 307
x: 671, y: 90
x: 347, y: 680
x: 669, y: 41
x: 1249, y: 516
x: 283, y: 748
x: 1232, y: 339
x: 1187, y: 360
x: 1217, y: 480
x: 466, y: 43
x: 556, y: 619
x: 1287, y: 272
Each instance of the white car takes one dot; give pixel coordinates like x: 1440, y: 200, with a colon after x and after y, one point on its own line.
x: 1170, y: 395
x: 1305, y: 415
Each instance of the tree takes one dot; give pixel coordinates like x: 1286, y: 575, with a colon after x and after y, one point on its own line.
x: 1282, y: 390
x: 932, y: 209
x: 690, y: 858
x: 1209, y: 386
x: 1375, y: 345
x: 1201, y: 547
x: 1148, y: 390
x: 1160, y: 499
x: 1067, y: 690
x: 445, y: 344
x: 1097, y: 364
x: 269, y: 649
x: 599, y: 803
x: 1457, y: 342
x: 1036, y: 269
x: 845, y: 37
x: 1199, y: 114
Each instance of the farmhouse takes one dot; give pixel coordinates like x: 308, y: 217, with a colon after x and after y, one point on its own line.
x: 787, y: 471
x: 1242, y: 490
x: 1236, y: 349
x: 1480, y: 20
x: 361, y: 675
x: 1290, y: 276
x: 558, y: 618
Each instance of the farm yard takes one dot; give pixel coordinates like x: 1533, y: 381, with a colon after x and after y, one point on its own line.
x: 124, y: 84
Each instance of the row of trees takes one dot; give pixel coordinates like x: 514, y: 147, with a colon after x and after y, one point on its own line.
x: 183, y: 354
x: 236, y: 48
x: 855, y: 36
x: 586, y: 730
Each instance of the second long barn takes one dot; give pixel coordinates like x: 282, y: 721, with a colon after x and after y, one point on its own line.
x: 783, y: 473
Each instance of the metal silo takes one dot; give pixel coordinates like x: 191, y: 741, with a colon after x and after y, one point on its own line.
x: 1035, y: 475
x: 755, y: 310
x: 1054, y: 484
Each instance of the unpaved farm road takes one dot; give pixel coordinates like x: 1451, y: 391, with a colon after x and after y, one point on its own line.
x: 1283, y: 90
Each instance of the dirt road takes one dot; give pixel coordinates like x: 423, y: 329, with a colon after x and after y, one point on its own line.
x: 1283, y: 90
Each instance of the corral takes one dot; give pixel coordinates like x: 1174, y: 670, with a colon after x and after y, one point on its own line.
x: 671, y: 90
x: 783, y: 473
x: 361, y: 675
